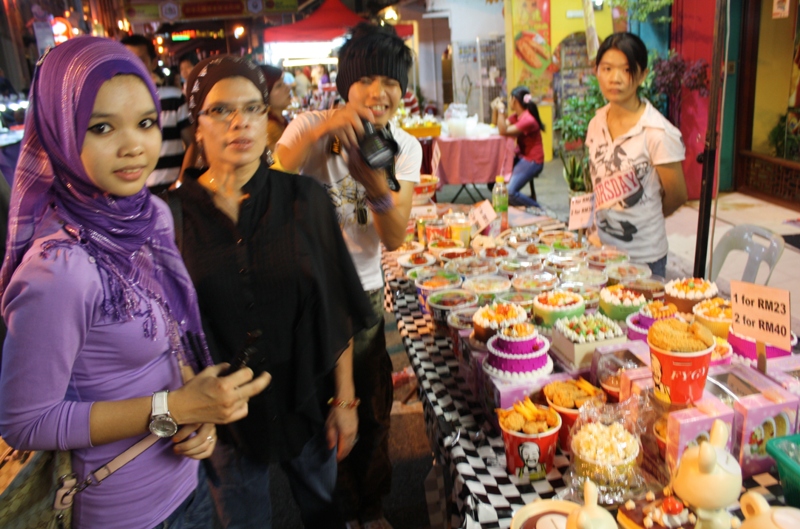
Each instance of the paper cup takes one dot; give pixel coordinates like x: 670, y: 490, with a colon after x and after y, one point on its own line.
x: 538, y: 449
x: 679, y: 377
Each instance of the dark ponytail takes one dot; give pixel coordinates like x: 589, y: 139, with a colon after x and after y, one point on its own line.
x: 519, y: 94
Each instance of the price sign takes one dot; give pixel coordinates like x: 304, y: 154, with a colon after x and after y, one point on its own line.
x: 580, y: 211
x: 482, y: 214
x: 762, y: 313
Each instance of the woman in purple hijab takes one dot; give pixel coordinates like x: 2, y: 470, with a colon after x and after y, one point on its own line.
x: 103, y: 326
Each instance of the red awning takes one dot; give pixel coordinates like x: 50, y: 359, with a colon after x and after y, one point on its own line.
x: 404, y: 31
x: 331, y: 20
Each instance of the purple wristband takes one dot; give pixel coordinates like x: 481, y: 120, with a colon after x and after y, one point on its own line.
x: 381, y: 204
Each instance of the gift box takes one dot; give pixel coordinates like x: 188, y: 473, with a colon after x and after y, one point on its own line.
x: 762, y: 410
x: 786, y: 372
x: 686, y: 428
x: 629, y: 377
x: 565, y: 366
x: 499, y: 393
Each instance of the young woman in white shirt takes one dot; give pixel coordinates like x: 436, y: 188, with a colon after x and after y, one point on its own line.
x: 635, y: 157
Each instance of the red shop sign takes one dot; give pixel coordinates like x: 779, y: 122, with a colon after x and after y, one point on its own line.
x: 212, y: 9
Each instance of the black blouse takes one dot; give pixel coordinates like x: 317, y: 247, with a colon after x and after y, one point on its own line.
x: 284, y: 272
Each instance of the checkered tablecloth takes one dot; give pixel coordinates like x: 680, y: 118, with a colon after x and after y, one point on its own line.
x: 484, y: 494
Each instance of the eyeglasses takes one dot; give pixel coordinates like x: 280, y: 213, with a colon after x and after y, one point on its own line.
x: 225, y: 113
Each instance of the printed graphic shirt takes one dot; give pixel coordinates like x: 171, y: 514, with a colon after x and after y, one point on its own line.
x: 627, y: 188
x: 348, y: 196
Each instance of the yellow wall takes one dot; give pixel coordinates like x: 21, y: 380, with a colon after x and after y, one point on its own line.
x: 560, y: 28
x: 773, y: 76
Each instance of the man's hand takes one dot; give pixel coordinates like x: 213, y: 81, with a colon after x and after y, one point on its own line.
x: 341, y: 430
x: 345, y: 124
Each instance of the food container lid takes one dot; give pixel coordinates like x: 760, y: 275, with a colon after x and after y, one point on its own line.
x: 461, y: 319
x: 534, y: 281
x: 517, y: 265
x: 585, y: 275
x: 528, y: 250
x: 498, y: 253
x: 440, y: 281
x: 628, y: 271
x: 562, y: 263
x: 518, y: 297
x: 487, y: 284
x: 606, y: 256
x: 423, y: 271
x: 520, y: 236
x: 452, y: 298
x: 552, y: 236
x: 471, y: 266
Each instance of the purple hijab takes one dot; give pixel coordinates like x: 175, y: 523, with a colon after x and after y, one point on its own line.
x: 111, y: 229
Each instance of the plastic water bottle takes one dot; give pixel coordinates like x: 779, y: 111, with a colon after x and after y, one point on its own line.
x: 500, y: 202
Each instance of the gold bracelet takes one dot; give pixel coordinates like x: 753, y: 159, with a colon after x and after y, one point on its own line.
x: 345, y: 404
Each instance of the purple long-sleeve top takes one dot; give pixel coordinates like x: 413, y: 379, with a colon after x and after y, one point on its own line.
x: 61, y: 355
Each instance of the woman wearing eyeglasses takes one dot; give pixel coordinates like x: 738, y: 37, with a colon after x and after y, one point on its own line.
x: 272, y: 271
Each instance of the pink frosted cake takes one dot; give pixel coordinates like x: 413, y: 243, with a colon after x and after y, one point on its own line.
x: 518, y: 352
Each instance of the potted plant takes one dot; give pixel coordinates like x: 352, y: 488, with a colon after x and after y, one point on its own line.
x: 576, y: 174
x: 576, y: 113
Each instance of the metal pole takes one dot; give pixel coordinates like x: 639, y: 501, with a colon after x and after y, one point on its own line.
x: 710, y: 151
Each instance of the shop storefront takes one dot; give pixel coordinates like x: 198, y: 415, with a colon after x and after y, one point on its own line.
x: 767, y: 120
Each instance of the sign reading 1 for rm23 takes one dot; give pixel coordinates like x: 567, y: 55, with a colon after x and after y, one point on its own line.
x: 762, y: 313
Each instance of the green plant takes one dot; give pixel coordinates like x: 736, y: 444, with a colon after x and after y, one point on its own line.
x: 641, y: 10
x: 777, y: 137
x: 576, y: 173
x: 577, y: 112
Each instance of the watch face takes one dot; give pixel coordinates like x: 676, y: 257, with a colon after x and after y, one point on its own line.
x: 163, y: 426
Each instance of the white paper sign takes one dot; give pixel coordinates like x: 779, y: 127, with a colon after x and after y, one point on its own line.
x: 482, y: 214
x: 762, y: 313
x: 780, y: 8
x: 580, y: 211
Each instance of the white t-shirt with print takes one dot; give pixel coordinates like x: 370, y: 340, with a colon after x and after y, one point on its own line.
x: 627, y: 188
x: 347, y: 195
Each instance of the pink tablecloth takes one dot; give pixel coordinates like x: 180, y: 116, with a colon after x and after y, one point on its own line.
x: 472, y: 160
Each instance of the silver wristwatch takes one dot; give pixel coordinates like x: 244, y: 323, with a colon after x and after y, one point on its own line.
x: 161, y: 422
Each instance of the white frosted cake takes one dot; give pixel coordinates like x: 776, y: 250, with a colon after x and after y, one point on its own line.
x: 576, y: 338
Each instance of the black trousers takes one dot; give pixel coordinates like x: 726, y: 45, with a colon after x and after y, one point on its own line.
x: 365, y: 475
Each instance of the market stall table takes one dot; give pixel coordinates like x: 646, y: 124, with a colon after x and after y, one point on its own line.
x: 484, y: 495
x: 463, y: 161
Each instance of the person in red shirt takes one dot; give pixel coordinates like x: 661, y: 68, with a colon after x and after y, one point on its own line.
x: 525, y: 125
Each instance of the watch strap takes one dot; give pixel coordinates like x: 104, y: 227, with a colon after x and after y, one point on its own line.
x: 160, y: 406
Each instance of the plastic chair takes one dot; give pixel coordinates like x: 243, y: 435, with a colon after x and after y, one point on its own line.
x: 741, y: 238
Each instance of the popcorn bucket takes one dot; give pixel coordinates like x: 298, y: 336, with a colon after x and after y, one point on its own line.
x: 679, y: 377
x: 530, y: 456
